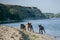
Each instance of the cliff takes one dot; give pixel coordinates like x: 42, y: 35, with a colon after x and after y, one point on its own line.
x: 16, y: 12
x: 49, y: 15
x: 57, y: 15
x: 10, y: 33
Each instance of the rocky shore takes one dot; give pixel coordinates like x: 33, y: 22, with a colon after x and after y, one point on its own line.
x: 10, y: 33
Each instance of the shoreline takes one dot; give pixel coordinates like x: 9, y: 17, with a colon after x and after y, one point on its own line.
x: 15, y: 21
x: 31, y: 35
x: 56, y: 37
x: 11, y: 21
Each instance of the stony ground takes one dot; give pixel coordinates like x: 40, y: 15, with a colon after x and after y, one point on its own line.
x: 10, y: 33
x: 35, y: 36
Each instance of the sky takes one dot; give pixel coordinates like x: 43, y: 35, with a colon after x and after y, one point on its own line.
x: 46, y: 6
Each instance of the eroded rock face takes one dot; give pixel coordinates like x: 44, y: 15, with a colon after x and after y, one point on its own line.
x: 9, y: 33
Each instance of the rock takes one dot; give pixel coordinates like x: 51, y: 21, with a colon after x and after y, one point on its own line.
x: 10, y: 33
x: 36, y: 36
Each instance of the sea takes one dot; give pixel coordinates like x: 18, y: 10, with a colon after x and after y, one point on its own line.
x: 52, y: 26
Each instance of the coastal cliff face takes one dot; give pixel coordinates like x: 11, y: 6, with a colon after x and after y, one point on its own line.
x: 16, y: 12
x: 10, y: 33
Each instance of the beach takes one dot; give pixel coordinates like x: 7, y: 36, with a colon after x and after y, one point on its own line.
x: 11, y: 33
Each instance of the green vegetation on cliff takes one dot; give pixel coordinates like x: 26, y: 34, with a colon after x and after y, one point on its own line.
x: 15, y: 12
x: 49, y: 15
x: 52, y: 15
x: 57, y: 15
